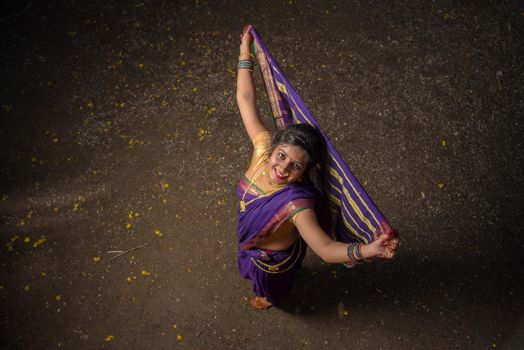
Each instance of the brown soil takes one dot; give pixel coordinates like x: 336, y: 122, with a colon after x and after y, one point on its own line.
x: 120, y: 131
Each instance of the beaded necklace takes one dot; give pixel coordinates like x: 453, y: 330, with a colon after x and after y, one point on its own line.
x: 243, y: 203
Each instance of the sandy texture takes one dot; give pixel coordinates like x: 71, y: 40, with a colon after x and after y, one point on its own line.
x: 120, y: 130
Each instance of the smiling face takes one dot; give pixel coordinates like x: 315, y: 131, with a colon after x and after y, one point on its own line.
x: 287, y: 164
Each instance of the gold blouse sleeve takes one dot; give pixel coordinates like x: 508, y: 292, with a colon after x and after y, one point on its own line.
x: 261, y: 149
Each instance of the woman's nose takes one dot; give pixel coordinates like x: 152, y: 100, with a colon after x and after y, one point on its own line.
x: 286, y: 165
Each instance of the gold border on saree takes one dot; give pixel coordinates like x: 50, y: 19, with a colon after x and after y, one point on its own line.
x: 276, y: 268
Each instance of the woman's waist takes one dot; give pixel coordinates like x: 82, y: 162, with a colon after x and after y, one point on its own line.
x: 278, y: 243
x: 275, y: 254
x: 278, y: 261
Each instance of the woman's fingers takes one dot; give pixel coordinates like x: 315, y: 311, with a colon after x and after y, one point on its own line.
x: 247, y: 28
x: 394, y: 243
x: 389, y: 253
x: 246, y: 32
x: 386, y: 246
x: 383, y: 239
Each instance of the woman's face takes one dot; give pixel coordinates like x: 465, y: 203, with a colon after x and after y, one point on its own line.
x: 287, y: 164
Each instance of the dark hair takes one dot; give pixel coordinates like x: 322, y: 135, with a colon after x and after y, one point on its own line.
x: 304, y: 136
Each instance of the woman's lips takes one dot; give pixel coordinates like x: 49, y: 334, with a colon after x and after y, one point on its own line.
x: 281, y: 176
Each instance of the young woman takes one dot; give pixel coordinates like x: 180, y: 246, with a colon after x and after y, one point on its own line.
x: 277, y: 218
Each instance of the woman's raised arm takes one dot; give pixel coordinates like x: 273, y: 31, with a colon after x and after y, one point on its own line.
x: 246, y: 92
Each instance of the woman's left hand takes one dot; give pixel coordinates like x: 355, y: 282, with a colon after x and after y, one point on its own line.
x: 385, y: 246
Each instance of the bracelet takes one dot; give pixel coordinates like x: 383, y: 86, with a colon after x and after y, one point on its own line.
x: 361, y: 255
x: 246, y: 64
x: 351, y: 254
x: 246, y: 53
x: 355, y: 254
x: 358, y: 252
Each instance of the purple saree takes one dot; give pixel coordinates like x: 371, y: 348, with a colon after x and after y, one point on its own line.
x: 272, y: 272
x: 353, y: 215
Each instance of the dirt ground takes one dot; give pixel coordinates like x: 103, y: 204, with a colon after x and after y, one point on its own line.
x: 120, y: 131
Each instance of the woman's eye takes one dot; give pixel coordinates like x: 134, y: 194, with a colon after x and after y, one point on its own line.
x: 282, y: 156
x: 297, y: 166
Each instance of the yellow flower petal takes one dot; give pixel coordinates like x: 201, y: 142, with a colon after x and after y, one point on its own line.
x: 39, y: 241
x: 109, y: 338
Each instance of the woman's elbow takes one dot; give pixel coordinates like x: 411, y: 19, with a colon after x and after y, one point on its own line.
x: 243, y: 96
x: 327, y: 258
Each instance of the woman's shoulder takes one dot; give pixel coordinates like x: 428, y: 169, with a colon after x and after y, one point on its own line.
x: 262, y: 139
x: 261, y: 152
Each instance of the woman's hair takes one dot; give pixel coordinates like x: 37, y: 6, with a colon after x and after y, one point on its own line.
x: 304, y: 136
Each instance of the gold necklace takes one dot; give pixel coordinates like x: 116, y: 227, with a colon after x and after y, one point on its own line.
x: 243, y: 203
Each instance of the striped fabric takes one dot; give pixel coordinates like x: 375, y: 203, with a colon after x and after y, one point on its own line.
x: 355, y: 217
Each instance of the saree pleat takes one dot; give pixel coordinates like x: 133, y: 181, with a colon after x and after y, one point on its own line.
x: 271, y: 272
x: 355, y: 217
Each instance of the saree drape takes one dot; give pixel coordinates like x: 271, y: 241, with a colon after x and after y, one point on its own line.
x: 271, y: 272
x: 355, y: 218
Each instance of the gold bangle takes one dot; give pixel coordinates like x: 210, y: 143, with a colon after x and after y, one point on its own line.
x: 246, y: 53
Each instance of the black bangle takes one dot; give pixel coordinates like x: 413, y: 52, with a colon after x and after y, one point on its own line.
x: 352, y: 255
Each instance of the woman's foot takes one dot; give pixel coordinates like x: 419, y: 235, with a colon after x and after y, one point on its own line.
x: 260, y: 303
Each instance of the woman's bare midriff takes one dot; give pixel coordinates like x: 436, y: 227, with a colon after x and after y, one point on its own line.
x: 281, y: 239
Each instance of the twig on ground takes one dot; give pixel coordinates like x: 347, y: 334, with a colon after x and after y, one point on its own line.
x: 122, y: 252
x: 81, y: 333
